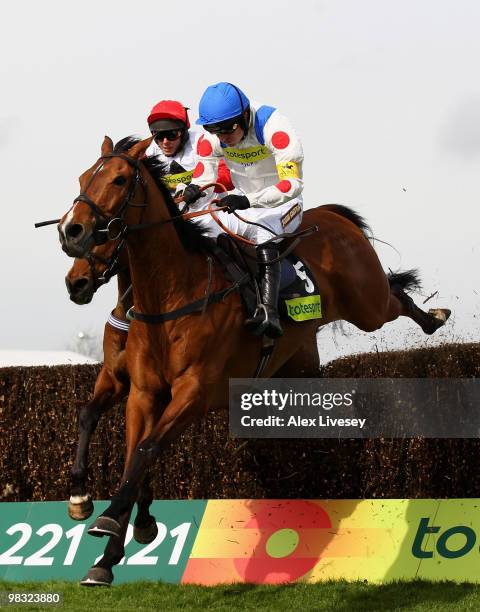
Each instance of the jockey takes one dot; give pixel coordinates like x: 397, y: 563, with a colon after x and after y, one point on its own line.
x: 174, y: 143
x: 264, y: 156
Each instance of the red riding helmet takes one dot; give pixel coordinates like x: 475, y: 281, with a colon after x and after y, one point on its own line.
x: 169, y: 114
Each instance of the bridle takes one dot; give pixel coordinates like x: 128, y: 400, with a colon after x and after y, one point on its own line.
x: 112, y: 264
x: 113, y: 228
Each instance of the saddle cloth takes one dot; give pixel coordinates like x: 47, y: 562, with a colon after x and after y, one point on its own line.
x: 299, y: 297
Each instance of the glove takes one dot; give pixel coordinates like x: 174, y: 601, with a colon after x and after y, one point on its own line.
x: 192, y: 193
x: 235, y: 202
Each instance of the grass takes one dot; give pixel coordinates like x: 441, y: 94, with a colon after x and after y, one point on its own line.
x: 338, y: 596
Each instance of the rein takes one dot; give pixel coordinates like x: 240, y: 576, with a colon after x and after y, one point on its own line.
x: 181, y: 217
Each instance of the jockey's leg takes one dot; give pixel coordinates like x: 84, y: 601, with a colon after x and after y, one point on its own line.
x: 266, y: 320
x: 284, y: 218
x: 275, y: 221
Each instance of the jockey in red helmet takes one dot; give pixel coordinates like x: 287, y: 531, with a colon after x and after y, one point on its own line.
x: 174, y: 143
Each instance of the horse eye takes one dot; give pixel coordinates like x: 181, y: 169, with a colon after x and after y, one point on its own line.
x: 120, y: 180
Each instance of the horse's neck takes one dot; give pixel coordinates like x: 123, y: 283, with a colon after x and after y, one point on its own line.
x: 163, y: 273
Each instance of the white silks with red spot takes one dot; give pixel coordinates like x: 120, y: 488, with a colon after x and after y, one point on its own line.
x: 269, y: 174
x: 186, y: 157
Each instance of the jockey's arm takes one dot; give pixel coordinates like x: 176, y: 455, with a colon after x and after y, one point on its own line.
x: 282, y: 141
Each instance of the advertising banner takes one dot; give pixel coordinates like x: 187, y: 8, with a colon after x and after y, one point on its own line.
x: 259, y: 541
x: 39, y: 541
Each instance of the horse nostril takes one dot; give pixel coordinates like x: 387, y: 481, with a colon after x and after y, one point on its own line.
x: 75, y: 287
x: 79, y: 284
x: 74, y: 231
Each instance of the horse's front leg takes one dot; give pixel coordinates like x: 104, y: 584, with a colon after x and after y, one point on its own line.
x: 145, y: 526
x: 144, y: 531
x: 188, y: 403
x: 101, y: 573
x: 108, y: 392
x: 141, y: 408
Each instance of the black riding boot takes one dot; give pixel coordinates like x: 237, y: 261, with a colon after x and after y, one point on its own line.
x: 266, y: 319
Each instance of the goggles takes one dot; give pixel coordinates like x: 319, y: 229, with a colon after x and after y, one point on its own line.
x: 170, y: 135
x: 226, y: 127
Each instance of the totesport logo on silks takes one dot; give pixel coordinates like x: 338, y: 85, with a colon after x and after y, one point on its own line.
x: 304, y: 308
x: 246, y: 156
x: 172, y: 180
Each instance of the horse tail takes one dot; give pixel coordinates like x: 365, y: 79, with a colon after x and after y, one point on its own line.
x: 351, y: 215
x: 408, y: 280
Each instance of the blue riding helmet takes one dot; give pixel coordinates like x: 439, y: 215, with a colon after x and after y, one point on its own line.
x: 221, y: 102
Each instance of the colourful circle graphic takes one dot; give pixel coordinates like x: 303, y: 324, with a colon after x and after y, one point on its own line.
x: 282, y: 543
x: 287, y: 540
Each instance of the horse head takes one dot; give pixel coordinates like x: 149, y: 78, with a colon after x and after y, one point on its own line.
x: 87, y: 274
x: 80, y: 282
x: 108, y: 191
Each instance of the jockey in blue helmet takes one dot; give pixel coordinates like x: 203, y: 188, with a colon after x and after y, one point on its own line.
x: 264, y: 156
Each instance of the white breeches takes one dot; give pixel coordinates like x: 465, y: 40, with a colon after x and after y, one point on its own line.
x: 275, y: 220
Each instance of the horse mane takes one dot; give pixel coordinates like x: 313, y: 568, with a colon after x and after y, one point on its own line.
x: 191, y: 237
x: 351, y: 215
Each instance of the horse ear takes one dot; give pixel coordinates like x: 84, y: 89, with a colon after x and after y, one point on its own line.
x: 138, y: 150
x: 107, y: 145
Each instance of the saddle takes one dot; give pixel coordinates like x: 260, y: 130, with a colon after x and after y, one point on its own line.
x: 299, y: 297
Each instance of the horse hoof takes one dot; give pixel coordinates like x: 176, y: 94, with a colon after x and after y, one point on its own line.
x: 438, y: 318
x: 105, y: 526
x: 80, y: 507
x: 97, y: 576
x: 145, y: 535
x: 442, y: 314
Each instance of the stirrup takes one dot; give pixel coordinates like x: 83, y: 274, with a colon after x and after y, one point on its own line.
x: 268, y: 328
x: 261, y: 323
x: 259, y: 316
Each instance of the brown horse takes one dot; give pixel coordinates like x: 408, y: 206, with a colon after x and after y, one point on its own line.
x: 179, y: 369
x: 83, y: 279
